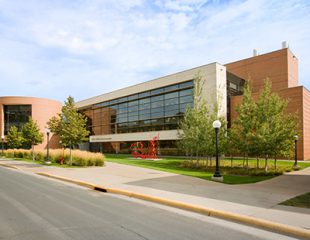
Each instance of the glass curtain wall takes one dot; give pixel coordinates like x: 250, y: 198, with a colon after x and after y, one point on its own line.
x: 154, y: 110
x: 16, y: 115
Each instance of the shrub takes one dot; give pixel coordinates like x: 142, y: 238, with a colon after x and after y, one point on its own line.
x: 79, y: 158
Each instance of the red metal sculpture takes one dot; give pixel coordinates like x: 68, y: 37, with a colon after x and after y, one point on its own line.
x: 138, y: 150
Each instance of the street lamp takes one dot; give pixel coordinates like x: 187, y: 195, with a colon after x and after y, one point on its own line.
x: 2, y: 139
x: 296, y: 164
x: 47, y: 161
x: 217, y: 175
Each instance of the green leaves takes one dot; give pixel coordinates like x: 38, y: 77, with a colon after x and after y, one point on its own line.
x: 14, y: 138
x: 69, y: 125
x: 31, y: 133
x: 261, y: 128
x: 198, y: 136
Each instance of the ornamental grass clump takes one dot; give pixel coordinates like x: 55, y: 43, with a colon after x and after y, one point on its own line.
x: 79, y: 158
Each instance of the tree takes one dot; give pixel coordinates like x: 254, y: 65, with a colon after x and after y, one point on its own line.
x: 241, y: 132
x: 70, y: 125
x: 274, y: 130
x: 262, y: 128
x: 198, y: 136
x: 14, y: 138
x: 32, y: 135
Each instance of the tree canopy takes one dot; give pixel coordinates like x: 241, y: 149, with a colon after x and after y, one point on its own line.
x: 69, y: 125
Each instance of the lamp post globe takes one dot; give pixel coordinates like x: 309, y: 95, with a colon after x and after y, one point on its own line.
x: 217, y: 175
x: 47, y: 161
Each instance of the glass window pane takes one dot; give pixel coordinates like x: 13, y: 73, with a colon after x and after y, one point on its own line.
x: 172, y: 112
x: 122, y: 105
x: 133, y: 118
x: 133, y: 113
x: 171, y: 95
x: 183, y: 106
x: 186, y: 99
x: 132, y: 97
x: 123, y: 99
x: 172, y: 107
x: 157, y: 98
x: 122, y: 119
x: 133, y: 109
x: 157, y: 104
x: 157, y: 114
x: 144, y: 94
x: 186, y: 84
x: 145, y: 111
x: 122, y: 110
x: 157, y: 91
x: 144, y: 106
x: 144, y: 100
x: 171, y: 88
x: 186, y: 92
x: 158, y: 109
x: 172, y: 101
x: 133, y: 103
x: 145, y: 116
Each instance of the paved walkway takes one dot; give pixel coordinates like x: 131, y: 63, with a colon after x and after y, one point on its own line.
x: 257, y: 200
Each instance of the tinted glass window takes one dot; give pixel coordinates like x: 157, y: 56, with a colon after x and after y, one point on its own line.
x: 171, y: 88
x: 157, y: 98
x: 172, y: 101
x: 144, y: 94
x: 186, y: 99
x: 144, y: 100
x: 157, y: 91
x: 157, y: 114
x: 171, y: 95
x: 144, y: 106
x: 133, y: 118
x: 186, y: 84
x: 158, y: 109
x: 132, y: 97
x: 133, y: 109
x: 157, y: 104
x: 186, y: 92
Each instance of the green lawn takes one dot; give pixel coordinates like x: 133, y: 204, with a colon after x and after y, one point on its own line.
x: 235, y: 175
x: 299, y: 201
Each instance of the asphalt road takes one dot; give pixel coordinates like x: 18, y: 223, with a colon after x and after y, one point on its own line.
x: 35, y: 208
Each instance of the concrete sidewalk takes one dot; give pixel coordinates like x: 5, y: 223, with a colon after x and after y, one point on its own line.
x: 259, y: 200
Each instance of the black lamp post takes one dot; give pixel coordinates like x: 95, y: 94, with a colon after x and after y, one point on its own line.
x: 296, y: 164
x: 47, y: 161
x: 217, y: 175
x: 2, y: 139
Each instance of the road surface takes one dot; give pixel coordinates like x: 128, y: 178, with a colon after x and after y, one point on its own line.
x: 35, y: 208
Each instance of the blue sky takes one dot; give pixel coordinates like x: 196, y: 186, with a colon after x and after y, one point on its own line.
x: 83, y: 48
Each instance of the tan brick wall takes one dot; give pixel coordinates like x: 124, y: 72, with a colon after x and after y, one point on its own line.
x: 280, y: 66
x: 42, y: 111
x: 299, y: 101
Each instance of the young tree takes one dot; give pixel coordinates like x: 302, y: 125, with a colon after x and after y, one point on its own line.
x: 198, y: 136
x: 32, y: 135
x: 241, y: 132
x: 70, y: 125
x: 262, y: 128
x: 274, y: 131
x: 14, y: 138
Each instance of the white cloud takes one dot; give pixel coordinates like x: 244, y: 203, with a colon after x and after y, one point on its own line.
x: 84, y: 48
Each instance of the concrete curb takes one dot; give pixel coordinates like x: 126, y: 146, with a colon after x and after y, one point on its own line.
x: 8, y: 166
x: 256, y: 222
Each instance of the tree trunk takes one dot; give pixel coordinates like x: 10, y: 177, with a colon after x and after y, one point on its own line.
x: 266, y: 164
x: 257, y: 162
x: 197, y: 161
x: 32, y: 146
x: 247, y: 162
x: 275, y: 163
x: 70, y: 156
x: 231, y: 161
